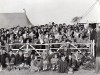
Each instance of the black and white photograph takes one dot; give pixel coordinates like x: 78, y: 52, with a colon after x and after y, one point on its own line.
x: 49, y: 37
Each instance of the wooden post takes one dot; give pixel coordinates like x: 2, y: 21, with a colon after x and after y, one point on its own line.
x: 93, y: 49
x: 0, y: 44
x: 27, y: 46
x: 7, y: 47
x: 89, y: 46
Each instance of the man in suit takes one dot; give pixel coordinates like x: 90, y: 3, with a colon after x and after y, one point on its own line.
x: 92, y: 33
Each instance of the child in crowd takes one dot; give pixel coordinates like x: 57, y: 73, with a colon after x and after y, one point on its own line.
x: 36, y: 65
x: 70, y: 64
x: 45, y: 63
x: 10, y: 60
x: 27, y: 60
x: 76, y: 60
x: 45, y: 60
x: 54, y: 61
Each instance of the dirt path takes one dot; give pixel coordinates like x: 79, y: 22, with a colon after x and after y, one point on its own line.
x: 27, y: 72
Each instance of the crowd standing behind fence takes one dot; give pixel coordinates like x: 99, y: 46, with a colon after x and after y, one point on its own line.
x: 65, y: 61
x: 44, y: 33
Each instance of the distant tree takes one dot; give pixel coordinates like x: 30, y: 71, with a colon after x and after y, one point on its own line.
x: 76, y: 19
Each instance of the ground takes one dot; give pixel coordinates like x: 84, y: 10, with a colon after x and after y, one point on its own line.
x: 27, y: 72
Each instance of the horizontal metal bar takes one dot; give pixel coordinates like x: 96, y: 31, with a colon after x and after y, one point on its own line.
x: 70, y: 48
x: 45, y: 44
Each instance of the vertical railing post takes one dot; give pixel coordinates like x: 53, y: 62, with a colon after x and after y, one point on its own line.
x: 27, y: 46
x: 93, y: 49
x: 89, y: 46
x: 0, y: 44
x: 7, y: 47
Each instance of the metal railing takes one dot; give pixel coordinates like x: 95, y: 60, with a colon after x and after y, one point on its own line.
x: 31, y: 46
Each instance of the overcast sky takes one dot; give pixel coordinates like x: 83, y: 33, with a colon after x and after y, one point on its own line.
x: 45, y: 11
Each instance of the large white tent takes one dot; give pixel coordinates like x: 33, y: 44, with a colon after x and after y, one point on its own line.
x: 8, y: 20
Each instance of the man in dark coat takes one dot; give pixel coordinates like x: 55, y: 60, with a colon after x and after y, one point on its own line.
x: 93, y: 34
x: 98, y: 52
x: 11, y: 57
x: 62, y: 65
x: 3, y: 58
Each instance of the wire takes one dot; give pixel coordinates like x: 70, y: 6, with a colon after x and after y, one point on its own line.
x: 98, y: 2
x: 89, y: 10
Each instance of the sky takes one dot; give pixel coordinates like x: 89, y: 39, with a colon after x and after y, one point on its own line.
x: 58, y: 11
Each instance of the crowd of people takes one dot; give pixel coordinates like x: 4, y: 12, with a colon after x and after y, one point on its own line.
x: 44, y: 34
x: 64, y: 61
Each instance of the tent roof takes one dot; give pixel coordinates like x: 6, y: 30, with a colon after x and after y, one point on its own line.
x: 8, y: 20
x: 93, y: 15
